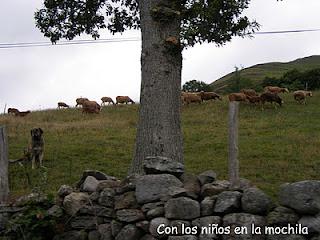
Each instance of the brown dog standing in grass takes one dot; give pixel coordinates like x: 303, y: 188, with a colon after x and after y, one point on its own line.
x: 37, y: 147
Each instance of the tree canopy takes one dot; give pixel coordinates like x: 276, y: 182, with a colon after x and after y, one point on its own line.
x: 196, y: 86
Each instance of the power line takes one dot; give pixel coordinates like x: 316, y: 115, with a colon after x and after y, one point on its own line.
x: 112, y: 40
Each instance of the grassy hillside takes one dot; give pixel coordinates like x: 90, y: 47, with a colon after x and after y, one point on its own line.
x: 276, y: 145
x: 258, y: 72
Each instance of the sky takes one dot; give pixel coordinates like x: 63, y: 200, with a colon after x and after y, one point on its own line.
x: 39, y: 77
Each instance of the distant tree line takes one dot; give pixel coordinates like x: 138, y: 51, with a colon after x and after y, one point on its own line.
x: 295, y: 79
x: 196, y: 86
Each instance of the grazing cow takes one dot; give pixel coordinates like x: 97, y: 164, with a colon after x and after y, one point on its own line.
x: 270, y: 97
x: 124, y: 99
x: 80, y: 101
x: 90, y: 107
x: 301, y: 96
x: 249, y: 92
x: 254, y: 99
x: 205, y: 96
x: 13, y: 111
x: 62, y: 105
x: 187, y: 98
x: 239, y: 97
x: 273, y: 89
x: 22, y: 114
x: 106, y: 100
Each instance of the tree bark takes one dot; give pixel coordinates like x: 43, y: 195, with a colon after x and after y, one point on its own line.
x: 159, y: 130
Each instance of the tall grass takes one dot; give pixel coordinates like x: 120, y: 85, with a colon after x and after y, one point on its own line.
x: 276, y: 145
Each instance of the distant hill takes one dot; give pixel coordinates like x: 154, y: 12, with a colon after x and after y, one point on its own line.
x: 258, y: 72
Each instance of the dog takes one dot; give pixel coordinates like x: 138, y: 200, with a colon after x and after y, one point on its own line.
x: 37, y: 147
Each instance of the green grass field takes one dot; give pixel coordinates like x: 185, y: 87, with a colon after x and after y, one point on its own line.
x: 276, y: 145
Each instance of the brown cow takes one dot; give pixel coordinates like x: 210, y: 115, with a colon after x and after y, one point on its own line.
x: 254, y: 99
x: 205, y: 96
x: 62, y: 105
x: 90, y: 107
x: 239, y: 97
x: 23, y: 114
x: 188, y: 97
x: 301, y: 96
x: 274, y: 89
x: 271, y: 97
x: 13, y: 111
x: 80, y: 101
x: 249, y: 92
x: 124, y: 99
x: 106, y: 100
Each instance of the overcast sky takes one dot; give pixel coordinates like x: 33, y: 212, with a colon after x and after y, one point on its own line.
x: 39, y: 77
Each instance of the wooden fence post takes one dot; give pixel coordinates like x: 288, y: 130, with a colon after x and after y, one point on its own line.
x: 233, y: 144
x: 4, y: 183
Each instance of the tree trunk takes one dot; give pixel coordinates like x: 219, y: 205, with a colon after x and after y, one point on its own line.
x: 159, y: 130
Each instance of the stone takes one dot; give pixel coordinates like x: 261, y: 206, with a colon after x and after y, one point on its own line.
x: 160, y: 165
x: 256, y: 201
x: 74, y: 201
x: 55, y: 211
x: 243, y: 220
x: 64, y: 190
x: 150, y: 188
x: 106, y: 197
x: 304, y: 196
x: 96, y: 174
x: 214, y: 188
x: 96, y: 210
x: 116, y: 227
x: 94, y: 235
x: 156, y: 212
x: 204, y: 223
x: 126, y: 200
x: 148, y: 237
x: 85, y: 222
x: 178, y: 224
x: 130, y: 215
x: 105, y: 231
x: 311, y: 222
x: 285, y: 237
x: 191, y: 184
x: 207, y: 177
x: 185, y: 237
x: 207, y: 205
x: 282, y: 216
x: 35, y: 198
x: 149, y: 206
x: 108, y: 184
x: 182, y: 208
x: 94, y: 197
x: 90, y: 184
x: 129, y: 232
x: 155, y: 223
x: 143, y: 225
x: 227, y: 202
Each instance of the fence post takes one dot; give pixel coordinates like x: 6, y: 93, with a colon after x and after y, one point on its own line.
x: 233, y: 144
x: 4, y: 183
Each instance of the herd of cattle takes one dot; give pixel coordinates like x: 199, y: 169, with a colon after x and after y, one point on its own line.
x: 270, y: 94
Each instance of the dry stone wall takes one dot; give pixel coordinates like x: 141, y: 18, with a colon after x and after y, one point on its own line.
x: 168, y: 203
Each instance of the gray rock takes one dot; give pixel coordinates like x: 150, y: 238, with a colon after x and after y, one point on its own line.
x: 227, y: 202
x: 214, y: 188
x: 150, y: 188
x: 72, y: 235
x: 106, y: 197
x: 55, y: 211
x: 191, y: 184
x: 243, y: 220
x: 311, y: 222
x: 149, y: 206
x: 35, y: 198
x: 74, y: 201
x: 126, y: 200
x: 160, y: 165
x: 64, y: 190
x: 148, y: 237
x: 143, y: 225
x: 207, y: 177
x: 130, y: 215
x: 105, y: 231
x: 256, y: 201
x: 96, y: 174
x: 156, y: 212
x: 304, y: 197
x: 108, y: 184
x: 116, y: 227
x: 90, y: 184
x: 129, y: 232
x: 203, y: 224
x: 185, y: 237
x: 94, y: 235
x: 182, y: 208
x: 281, y: 216
x: 96, y: 210
x: 85, y: 222
x: 285, y: 237
x: 207, y: 205
x: 94, y: 197
x: 178, y: 225
x: 155, y: 223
